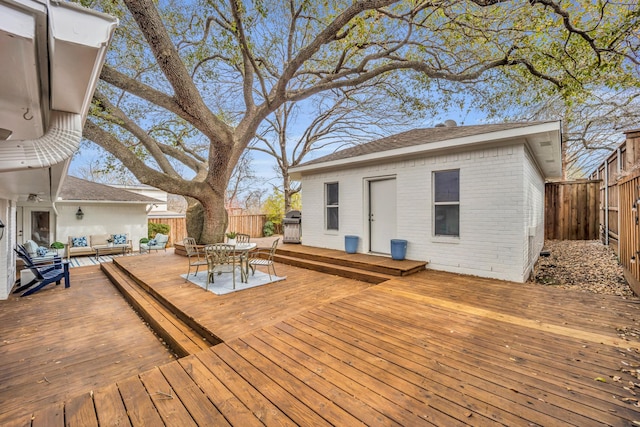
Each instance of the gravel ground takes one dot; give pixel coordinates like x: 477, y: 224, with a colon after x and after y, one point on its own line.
x: 585, y: 265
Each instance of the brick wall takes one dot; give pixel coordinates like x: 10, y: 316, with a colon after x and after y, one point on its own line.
x: 500, y: 197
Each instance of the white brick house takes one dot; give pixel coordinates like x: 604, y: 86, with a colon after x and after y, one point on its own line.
x: 467, y: 199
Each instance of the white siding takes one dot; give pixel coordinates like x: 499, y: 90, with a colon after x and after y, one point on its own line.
x: 534, y: 211
x: 495, y: 211
x: 102, y: 218
x: 7, y: 256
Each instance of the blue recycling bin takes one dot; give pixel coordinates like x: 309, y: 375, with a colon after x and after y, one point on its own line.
x: 398, y: 249
x: 351, y: 244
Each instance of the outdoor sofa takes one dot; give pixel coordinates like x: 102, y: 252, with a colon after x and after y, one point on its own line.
x: 84, y: 245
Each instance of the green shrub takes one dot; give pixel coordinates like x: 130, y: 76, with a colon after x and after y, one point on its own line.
x: 144, y: 240
x: 268, y: 229
x: 155, y: 228
x: 57, y: 245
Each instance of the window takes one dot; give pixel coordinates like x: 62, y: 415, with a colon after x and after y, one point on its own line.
x: 446, y: 200
x: 331, y: 197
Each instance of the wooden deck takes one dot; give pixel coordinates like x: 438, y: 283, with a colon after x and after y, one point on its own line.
x: 428, y: 349
x: 61, y: 342
x: 229, y: 316
x: 379, y: 264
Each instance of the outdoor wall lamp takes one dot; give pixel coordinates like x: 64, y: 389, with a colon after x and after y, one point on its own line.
x: 1, y: 229
x: 79, y: 213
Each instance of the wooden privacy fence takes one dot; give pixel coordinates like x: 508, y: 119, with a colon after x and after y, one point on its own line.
x: 246, y: 224
x: 571, y: 210
x: 620, y: 192
x: 629, y: 243
x: 177, y: 231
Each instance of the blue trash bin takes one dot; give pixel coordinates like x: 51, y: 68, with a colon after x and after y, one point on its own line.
x: 398, y: 249
x: 351, y: 244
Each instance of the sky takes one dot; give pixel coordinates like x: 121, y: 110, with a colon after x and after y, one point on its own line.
x: 263, y: 164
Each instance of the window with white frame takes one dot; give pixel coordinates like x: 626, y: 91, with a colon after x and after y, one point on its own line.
x: 446, y: 201
x: 331, y: 204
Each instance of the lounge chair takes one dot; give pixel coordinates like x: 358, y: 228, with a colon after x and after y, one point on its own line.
x: 43, y: 273
x: 155, y: 244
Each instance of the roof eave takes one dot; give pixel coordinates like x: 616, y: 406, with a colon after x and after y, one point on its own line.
x: 548, y: 135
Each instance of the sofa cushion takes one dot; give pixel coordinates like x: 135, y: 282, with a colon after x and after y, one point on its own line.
x: 79, y: 242
x: 152, y: 242
x: 119, y: 239
x: 31, y: 247
x: 42, y: 251
x: 99, y: 239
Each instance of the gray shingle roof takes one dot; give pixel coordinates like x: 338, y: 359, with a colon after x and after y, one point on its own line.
x: 417, y: 137
x: 79, y: 189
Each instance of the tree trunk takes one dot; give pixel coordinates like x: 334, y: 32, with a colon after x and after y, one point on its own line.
x: 286, y: 186
x: 215, y: 221
x: 207, y: 219
x: 194, y: 218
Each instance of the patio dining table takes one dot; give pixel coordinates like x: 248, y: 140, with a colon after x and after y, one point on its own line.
x: 242, y: 250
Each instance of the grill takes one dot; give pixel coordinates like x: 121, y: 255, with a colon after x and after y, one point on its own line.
x: 291, y: 227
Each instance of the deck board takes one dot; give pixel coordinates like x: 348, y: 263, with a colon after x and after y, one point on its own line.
x: 58, y: 343
x: 204, y: 413
x: 429, y: 349
x: 378, y: 263
x: 165, y: 399
x: 110, y: 409
x: 232, y: 315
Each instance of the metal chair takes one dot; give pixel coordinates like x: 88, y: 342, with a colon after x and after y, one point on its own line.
x: 195, y: 260
x: 220, y: 259
x: 243, y: 238
x: 256, y: 259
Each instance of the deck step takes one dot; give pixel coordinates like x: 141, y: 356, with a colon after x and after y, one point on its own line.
x: 332, y: 268
x: 178, y: 335
x: 364, y: 262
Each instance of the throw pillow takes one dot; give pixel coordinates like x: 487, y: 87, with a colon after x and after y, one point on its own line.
x: 152, y: 242
x: 79, y: 242
x: 41, y: 251
x: 119, y: 239
x: 31, y: 247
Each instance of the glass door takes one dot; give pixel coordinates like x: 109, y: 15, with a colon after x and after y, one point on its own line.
x: 40, y: 227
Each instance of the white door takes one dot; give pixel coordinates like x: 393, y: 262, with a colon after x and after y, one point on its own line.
x: 382, y: 215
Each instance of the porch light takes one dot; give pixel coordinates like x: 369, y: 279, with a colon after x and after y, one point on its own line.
x: 79, y: 213
x: 1, y: 229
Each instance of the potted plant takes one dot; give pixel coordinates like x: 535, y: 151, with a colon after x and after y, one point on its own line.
x: 110, y: 241
x: 231, y: 237
x: 59, y: 247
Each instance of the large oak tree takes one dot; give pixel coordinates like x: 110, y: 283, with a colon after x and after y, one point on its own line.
x: 187, y: 86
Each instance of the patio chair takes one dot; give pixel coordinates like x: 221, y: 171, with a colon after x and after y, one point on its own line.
x: 263, y: 257
x: 195, y: 260
x: 243, y: 238
x: 155, y: 244
x: 220, y: 259
x: 43, y: 273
